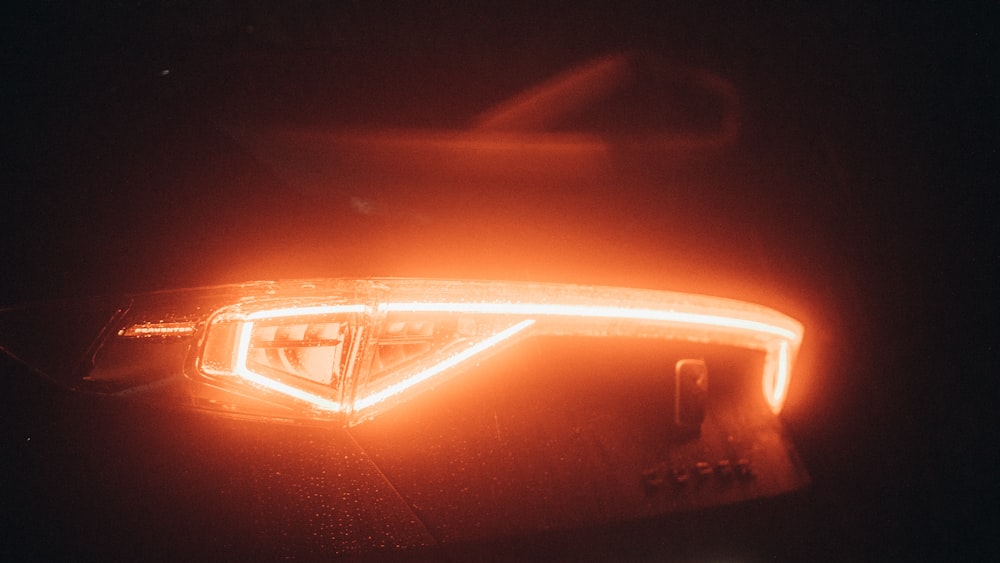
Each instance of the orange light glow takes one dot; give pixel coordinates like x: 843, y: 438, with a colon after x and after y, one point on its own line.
x: 242, y: 353
x: 501, y: 310
x: 777, y: 374
x: 305, y: 311
x: 383, y: 394
x: 618, y: 313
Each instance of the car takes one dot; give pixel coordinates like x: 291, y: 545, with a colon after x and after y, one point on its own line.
x: 295, y: 289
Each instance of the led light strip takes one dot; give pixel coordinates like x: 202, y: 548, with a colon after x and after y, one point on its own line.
x: 776, y: 380
x: 242, y: 353
x: 625, y: 313
x: 451, y: 362
x: 543, y: 309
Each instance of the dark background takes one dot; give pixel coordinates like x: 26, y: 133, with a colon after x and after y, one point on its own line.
x: 873, y: 124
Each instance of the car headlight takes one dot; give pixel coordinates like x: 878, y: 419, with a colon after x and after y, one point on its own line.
x: 346, y: 350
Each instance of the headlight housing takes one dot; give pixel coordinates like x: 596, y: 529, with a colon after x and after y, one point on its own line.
x: 346, y: 350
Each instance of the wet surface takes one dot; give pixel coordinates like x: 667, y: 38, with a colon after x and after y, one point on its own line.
x: 560, y: 434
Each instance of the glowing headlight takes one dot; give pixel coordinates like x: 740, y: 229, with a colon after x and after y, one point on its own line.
x: 358, y: 353
x: 349, y: 349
